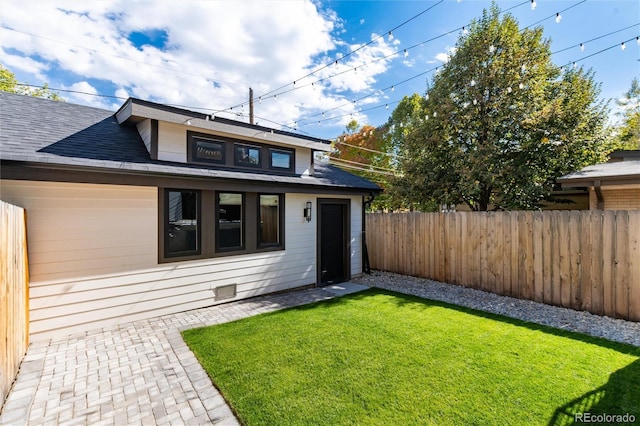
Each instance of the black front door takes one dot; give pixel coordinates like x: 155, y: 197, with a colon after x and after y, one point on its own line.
x: 333, y: 234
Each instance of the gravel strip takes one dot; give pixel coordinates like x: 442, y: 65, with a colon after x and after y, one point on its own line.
x: 526, y: 310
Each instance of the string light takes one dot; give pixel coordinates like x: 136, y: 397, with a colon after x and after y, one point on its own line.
x: 623, y: 46
x: 492, y: 48
x: 582, y: 47
x: 406, y: 53
x: 509, y: 89
x: 393, y: 88
x: 558, y: 18
x: 521, y: 86
x: 533, y: 4
x: 473, y: 83
x: 638, y: 40
x: 386, y: 106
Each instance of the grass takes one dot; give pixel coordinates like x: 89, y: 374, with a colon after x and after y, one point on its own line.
x: 379, y: 357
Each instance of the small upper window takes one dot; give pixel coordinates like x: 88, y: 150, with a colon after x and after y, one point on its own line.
x: 248, y: 156
x: 207, y: 150
x: 280, y: 159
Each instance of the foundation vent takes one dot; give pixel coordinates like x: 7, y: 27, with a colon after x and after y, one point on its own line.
x: 225, y: 292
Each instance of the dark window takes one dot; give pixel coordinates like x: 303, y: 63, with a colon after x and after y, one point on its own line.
x: 208, y: 151
x: 280, y: 159
x: 247, y: 156
x: 270, y: 221
x: 230, y: 229
x: 182, y: 223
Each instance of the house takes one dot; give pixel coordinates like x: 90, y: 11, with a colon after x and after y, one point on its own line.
x: 155, y: 210
x: 614, y: 185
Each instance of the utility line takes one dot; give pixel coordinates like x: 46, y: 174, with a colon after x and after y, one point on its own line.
x: 355, y: 50
x: 595, y: 38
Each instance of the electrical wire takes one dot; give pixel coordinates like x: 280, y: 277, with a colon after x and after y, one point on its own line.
x: 595, y: 38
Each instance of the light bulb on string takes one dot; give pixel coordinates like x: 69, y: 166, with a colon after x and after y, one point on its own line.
x: 521, y: 86
x: 574, y: 65
x: 464, y: 30
x: 390, y: 36
x: 426, y: 117
x: 386, y: 106
x: 435, y: 114
x: 472, y: 83
x: 533, y: 4
x: 509, y: 89
x: 582, y: 47
x: 393, y: 88
x: 623, y: 46
x: 558, y: 18
x: 426, y: 96
x: 259, y: 99
x: 638, y: 40
x: 406, y: 53
x: 475, y: 102
x: 492, y: 48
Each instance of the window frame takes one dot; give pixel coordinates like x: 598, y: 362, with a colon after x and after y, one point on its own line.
x: 166, y: 226
x: 281, y: 225
x: 243, y: 228
x: 229, y: 157
x: 292, y: 155
x: 236, y: 160
x: 208, y: 224
x: 192, y: 150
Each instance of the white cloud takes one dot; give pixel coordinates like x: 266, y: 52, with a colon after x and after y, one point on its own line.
x: 445, y: 56
x: 213, y: 52
x: 362, y: 21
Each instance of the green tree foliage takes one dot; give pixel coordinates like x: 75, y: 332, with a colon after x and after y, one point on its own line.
x: 365, y: 152
x: 501, y: 122
x: 628, y: 133
x: 9, y: 83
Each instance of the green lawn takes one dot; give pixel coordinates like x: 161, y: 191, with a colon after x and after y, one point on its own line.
x: 379, y: 357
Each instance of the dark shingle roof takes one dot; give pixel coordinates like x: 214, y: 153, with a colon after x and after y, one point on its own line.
x: 61, y: 134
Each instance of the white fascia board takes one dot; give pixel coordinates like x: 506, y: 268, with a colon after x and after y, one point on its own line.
x: 224, y: 129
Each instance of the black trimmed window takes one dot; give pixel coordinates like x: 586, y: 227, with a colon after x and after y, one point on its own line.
x: 203, y: 223
x: 213, y: 150
x: 248, y: 156
x: 281, y: 159
x: 182, y: 223
x: 230, y: 221
x: 206, y: 150
x: 270, y: 220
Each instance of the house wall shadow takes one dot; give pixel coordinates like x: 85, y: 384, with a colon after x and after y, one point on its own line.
x: 619, y: 396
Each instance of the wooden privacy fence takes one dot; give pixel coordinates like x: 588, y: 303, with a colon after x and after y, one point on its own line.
x: 585, y: 260
x: 14, y: 293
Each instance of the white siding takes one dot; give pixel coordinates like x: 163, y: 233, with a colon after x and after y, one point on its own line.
x: 144, y: 128
x: 172, y: 142
x: 303, y: 161
x: 93, y: 257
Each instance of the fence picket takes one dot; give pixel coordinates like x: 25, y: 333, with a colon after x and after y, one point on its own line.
x: 579, y: 259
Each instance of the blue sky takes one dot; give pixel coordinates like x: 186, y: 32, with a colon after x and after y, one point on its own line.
x: 204, y: 55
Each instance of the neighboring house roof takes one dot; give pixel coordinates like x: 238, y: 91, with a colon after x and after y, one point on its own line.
x: 617, y: 173
x: 37, y: 132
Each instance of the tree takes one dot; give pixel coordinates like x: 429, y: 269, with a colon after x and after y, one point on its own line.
x: 502, y: 122
x: 363, y: 151
x: 9, y: 83
x: 628, y: 133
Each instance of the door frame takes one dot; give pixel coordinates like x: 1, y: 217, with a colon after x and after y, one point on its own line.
x: 346, y: 237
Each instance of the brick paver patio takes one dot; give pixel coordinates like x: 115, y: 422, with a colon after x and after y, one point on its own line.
x: 136, y: 373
